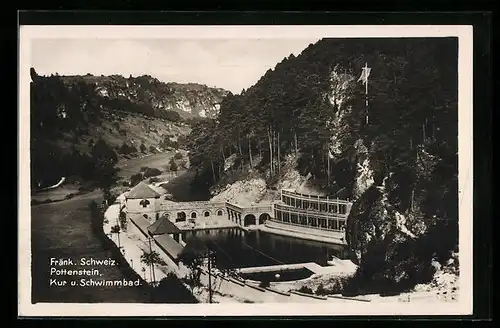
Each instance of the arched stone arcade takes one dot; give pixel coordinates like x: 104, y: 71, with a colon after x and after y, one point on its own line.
x: 249, y: 220
x: 264, y: 217
x: 203, y: 213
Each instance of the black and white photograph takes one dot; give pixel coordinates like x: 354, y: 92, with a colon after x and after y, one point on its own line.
x: 245, y: 170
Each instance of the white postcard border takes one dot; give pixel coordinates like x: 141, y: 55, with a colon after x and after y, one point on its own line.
x: 462, y: 307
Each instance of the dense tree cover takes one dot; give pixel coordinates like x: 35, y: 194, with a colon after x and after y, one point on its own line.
x: 70, y: 106
x: 56, y: 109
x: 139, y: 107
x: 311, y: 103
x: 412, y: 101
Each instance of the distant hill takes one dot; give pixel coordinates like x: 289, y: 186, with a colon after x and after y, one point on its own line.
x: 150, y: 96
x: 81, y: 122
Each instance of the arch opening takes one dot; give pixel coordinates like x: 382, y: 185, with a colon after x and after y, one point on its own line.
x: 193, y: 215
x: 249, y: 219
x: 181, y: 217
x: 206, y: 214
x: 263, y: 218
x: 220, y: 213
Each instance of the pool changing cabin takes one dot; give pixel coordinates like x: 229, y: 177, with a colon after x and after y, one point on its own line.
x: 308, y: 214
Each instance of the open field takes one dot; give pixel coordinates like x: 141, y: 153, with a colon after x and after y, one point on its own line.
x: 132, y: 166
x: 55, y: 194
x: 63, y: 230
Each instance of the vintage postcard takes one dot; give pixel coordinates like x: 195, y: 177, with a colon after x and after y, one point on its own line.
x: 245, y: 170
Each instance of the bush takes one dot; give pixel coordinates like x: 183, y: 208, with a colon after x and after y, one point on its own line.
x: 153, y: 179
x: 173, y: 165
x: 111, y: 199
x: 264, y: 284
x: 144, y: 168
x: 177, y: 156
x: 171, y: 290
x: 143, y: 148
x: 305, y: 289
x: 123, y: 220
x: 125, y: 183
x: 127, y: 149
x: 151, y: 172
x: 135, y: 179
x: 321, y: 290
x: 152, y: 149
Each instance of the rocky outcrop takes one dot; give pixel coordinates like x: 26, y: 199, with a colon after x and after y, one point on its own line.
x: 189, y: 100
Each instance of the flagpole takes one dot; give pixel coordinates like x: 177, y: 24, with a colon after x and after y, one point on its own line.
x: 328, y: 161
x: 366, y: 91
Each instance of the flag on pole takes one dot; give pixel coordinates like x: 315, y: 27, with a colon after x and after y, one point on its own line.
x: 365, y: 74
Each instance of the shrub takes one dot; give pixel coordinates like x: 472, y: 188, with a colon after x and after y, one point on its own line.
x: 123, y: 220
x: 135, y: 179
x: 173, y: 165
x: 143, y: 148
x: 153, y: 179
x: 151, y: 172
x: 177, y: 156
x: 144, y: 168
x: 171, y: 290
x: 321, y: 290
x: 264, y: 284
x: 125, y: 183
x: 127, y: 149
x: 152, y: 149
x: 111, y: 199
x: 305, y: 289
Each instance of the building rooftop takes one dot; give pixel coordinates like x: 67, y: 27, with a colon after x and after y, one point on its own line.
x: 162, y: 226
x: 142, y: 190
x: 164, y: 241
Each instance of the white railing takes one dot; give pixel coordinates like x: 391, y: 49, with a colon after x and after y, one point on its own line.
x: 192, y: 205
x: 322, y: 199
x: 306, y: 226
x: 257, y: 208
x: 316, y: 213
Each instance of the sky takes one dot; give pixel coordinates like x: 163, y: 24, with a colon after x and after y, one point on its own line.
x: 231, y: 64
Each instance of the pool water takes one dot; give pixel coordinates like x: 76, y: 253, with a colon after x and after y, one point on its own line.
x: 285, y: 275
x: 235, y: 248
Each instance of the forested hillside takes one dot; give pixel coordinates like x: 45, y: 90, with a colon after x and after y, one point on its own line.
x: 396, y: 159
x: 76, y: 131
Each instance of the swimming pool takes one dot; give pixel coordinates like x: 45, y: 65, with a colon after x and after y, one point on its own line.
x: 236, y: 248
